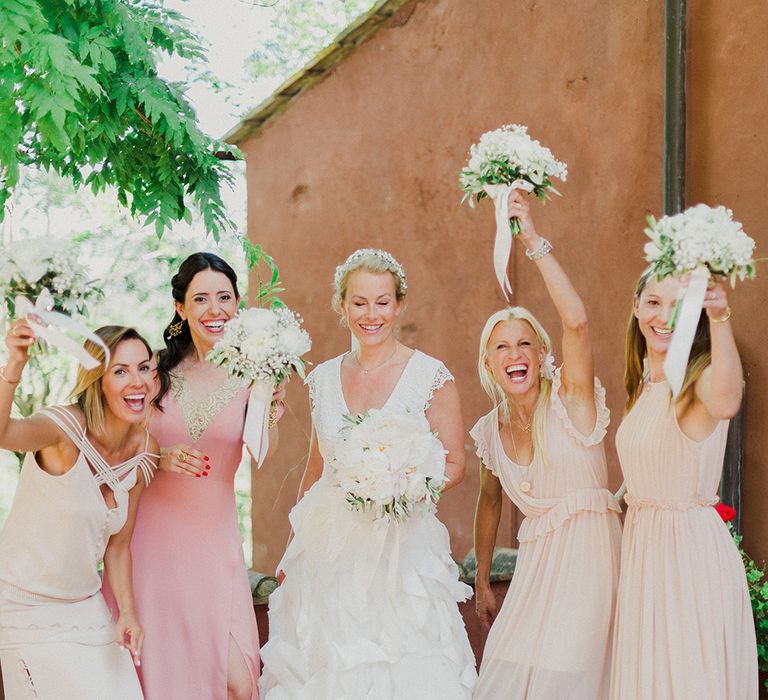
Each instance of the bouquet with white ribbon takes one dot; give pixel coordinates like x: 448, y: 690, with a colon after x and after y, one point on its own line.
x: 501, y: 161
x: 390, y: 464
x: 262, y: 347
x: 702, y: 241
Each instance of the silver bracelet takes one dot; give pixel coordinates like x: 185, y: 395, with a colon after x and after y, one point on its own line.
x: 545, y: 247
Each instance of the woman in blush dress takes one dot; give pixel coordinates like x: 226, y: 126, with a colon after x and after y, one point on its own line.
x: 684, y: 626
x: 75, y: 505
x: 368, y: 608
x: 190, y: 577
x: 542, y: 444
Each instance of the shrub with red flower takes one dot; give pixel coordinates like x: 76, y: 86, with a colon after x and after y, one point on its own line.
x: 725, y: 512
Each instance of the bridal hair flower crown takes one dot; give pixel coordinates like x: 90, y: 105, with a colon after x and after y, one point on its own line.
x: 389, y: 261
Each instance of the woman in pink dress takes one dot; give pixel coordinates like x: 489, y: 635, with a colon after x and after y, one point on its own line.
x: 75, y: 505
x: 189, y: 573
x: 684, y: 626
x: 542, y: 444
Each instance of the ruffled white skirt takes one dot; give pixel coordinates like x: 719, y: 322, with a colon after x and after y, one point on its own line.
x: 367, y: 610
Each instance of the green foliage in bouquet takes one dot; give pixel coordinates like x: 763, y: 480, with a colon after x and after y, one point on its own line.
x: 80, y: 95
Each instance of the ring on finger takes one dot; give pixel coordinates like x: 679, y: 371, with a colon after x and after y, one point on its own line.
x: 182, y: 456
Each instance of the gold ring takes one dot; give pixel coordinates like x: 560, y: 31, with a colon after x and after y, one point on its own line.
x: 182, y: 456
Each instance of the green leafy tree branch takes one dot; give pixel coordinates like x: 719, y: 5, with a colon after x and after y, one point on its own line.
x: 80, y: 95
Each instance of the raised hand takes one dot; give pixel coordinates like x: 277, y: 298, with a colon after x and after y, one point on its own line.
x: 19, y: 339
x: 183, y: 459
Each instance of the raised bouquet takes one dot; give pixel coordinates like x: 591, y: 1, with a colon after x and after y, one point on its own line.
x: 503, y: 160
x: 391, y: 465
x: 701, y: 236
x: 262, y: 347
x: 700, y: 241
x: 29, y: 267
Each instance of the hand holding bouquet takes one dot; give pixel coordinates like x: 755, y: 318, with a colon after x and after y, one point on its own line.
x: 700, y: 242
x: 390, y: 464
x: 263, y: 347
x: 503, y: 160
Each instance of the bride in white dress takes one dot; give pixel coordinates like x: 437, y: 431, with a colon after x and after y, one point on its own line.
x: 367, y: 609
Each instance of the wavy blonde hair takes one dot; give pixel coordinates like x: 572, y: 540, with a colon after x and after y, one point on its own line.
x: 494, y: 390
x: 637, y: 350
x: 87, y: 394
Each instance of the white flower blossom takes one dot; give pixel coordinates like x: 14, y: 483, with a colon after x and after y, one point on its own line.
x: 262, y: 345
x: 700, y: 236
x: 390, y: 464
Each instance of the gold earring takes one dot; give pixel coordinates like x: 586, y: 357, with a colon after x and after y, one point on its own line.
x: 175, y: 329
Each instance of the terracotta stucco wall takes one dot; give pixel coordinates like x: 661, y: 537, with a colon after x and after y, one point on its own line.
x: 370, y: 157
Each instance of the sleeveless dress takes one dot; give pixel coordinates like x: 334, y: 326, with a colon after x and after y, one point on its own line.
x: 368, y: 608
x: 552, y: 637
x: 684, y: 626
x: 57, y: 637
x: 190, y: 578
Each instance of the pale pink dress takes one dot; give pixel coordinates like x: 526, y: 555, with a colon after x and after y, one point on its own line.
x: 189, y: 577
x: 684, y: 627
x: 552, y: 637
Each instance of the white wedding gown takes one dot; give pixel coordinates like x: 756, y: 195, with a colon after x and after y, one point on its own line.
x: 368, y: 608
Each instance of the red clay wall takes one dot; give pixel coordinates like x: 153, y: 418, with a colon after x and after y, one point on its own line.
x: 370, y: 157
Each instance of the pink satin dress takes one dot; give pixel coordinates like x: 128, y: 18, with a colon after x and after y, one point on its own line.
x: 189, y: 576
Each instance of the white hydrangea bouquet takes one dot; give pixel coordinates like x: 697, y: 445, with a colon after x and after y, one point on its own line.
x: 700, y: 241
x: 31, y: 266
x: 391, y: 465
x: 503, y: 160
x: 262, y: 347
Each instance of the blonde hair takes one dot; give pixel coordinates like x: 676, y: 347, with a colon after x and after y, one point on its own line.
x: 637, y: 350
x: 87, y: 394
x: 494, y: 390
x: 371, y: 260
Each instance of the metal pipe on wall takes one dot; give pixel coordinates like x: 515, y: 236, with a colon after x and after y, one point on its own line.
x: 675, y: 20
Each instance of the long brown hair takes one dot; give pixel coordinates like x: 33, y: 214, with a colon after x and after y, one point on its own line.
x: 636, y: 351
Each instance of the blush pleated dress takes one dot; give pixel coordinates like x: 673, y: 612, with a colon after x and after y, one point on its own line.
x: 684, y: 627
x: 552, y: 637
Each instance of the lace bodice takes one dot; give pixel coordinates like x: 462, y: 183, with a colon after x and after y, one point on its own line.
x: 421, y: 378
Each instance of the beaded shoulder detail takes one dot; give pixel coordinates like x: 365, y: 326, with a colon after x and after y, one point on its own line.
x: 198, y: 415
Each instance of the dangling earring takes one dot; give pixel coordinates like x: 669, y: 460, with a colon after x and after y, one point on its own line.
x: 547, y: 366
x: 175, y: 329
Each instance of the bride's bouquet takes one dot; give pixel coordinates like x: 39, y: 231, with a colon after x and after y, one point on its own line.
x: 262, y: 347
x: 390, y: 464
x: 503, y: 160
x: 701, y: 241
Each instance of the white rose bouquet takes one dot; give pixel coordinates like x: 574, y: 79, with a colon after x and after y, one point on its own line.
x: 700, y: 236
x: 390, y: 464
x: 701, y: 241
x: 501, y: 161
x: 263, y: 347
x: 31, y: 266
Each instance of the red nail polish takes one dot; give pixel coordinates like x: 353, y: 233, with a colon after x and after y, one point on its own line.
x: 205, y: 458
x: 205, y: 473
x: 197, y: 475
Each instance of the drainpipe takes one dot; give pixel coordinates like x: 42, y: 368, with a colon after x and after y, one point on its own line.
x: 674, y: 105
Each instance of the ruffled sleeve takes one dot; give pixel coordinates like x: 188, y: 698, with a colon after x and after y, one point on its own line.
x: 601, y: 421
x: 482, y: 434
x: 442, y: 376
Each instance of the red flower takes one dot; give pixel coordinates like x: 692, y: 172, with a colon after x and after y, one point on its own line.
x: 725, y: 512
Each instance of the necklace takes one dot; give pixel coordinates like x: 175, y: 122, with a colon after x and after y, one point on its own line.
x: 525, y: 428
x: 524, y: 471
x: 379, y: 366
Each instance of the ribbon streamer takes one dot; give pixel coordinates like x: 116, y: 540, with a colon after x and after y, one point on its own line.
x: 676, y: 362
x: 256, y: 429
x: 46, y: 323
x: 502, y: 247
